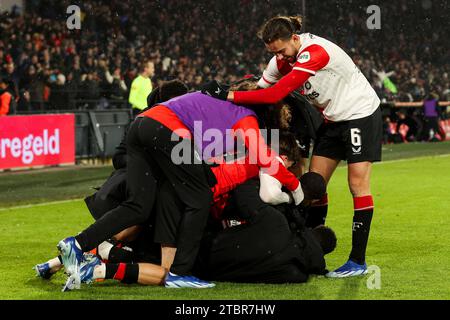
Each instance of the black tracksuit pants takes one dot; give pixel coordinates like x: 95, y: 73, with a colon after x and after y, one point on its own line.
x: 265, y: 250
x: 149, y: 154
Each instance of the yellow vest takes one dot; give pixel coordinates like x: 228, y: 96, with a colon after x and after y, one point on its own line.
x: 140, y: 89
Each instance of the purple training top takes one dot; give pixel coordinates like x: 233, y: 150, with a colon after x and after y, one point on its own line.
x: 430, y: 110
x: 200, y: 112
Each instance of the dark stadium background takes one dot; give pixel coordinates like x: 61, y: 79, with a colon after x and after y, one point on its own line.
x: 51, y: 69
x: 199, y: 40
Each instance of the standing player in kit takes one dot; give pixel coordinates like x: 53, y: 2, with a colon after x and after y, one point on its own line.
x: 352, y: 129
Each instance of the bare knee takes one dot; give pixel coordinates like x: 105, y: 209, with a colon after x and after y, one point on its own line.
x: 323, y: 166
x: 359, y: 179
x: 359, y: 187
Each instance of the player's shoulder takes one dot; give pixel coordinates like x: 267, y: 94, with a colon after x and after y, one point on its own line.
x: 320, y: 46
x: 273, y: 63
x: 312, y: 43
x: 314, y: 51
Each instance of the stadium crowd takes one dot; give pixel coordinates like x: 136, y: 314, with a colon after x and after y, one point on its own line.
x: 47, y: 66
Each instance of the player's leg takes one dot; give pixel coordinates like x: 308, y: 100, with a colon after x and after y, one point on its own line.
x: 129, y: 234
x: 324, y: 166
x: 363, y: 138
x: 141, y: 188
x: 168, y: 252
x: 328, y: 151
x: 107, y: 250
x: 47, y: 269
x: 169, y: 210
x: 142, y: 273
x: 359, y: 183
x: 191, y: 182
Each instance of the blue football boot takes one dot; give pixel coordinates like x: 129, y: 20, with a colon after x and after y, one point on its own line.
x: 349, y: 269
x: 176, y: 281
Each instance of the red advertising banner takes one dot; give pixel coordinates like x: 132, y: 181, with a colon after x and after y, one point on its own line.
x: 444, y: 126
x: 37, y: 140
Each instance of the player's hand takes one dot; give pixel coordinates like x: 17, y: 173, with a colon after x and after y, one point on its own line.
x: 298, y: 195
x: 215, y: 90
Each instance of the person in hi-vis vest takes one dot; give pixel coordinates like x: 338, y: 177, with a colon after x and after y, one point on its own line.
x: 141, y: 87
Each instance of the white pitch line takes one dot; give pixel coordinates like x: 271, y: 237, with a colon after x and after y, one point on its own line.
x: 416, y: 158
x: 403, y: 160
x: 39, y: 204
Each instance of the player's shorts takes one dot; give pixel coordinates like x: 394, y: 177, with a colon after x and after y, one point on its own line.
x: 354, y: 140
x: 305, y: 146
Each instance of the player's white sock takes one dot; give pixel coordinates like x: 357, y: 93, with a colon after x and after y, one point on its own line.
x: 55, y: 262
x: 99, y: 271
x: 103, y: 249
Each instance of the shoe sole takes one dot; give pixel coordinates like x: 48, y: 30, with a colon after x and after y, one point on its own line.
x: 72, y: 269
x: 172, y: 285
x: 70, y: 266
x: 347, y: 274
x: 73, y: 282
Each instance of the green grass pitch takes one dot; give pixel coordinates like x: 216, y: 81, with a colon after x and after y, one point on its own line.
x: 409, y: 240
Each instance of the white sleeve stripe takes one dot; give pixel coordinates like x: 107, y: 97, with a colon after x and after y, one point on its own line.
x: 305, y: 70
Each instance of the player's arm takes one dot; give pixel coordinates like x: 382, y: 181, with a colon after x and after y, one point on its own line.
x: 273, y: 94
x: 271, y: 74
x: 270, y: 190
x: 230, y: 175
x: 312, y: 59
x: 266, y: 159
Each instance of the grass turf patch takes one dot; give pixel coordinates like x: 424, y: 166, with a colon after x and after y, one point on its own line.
x: 409, y: 243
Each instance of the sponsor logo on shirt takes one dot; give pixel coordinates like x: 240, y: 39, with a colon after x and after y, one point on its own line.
x: 304, y: 57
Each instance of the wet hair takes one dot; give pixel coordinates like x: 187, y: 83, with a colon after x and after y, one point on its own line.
x: 244, y: 85
x: 167, y: 90
x: 326, y: 237
x: 171, y: 89
x: 279, y: 116
x: 288, y: 146
x: 313, y: 185
x: 280, y: 28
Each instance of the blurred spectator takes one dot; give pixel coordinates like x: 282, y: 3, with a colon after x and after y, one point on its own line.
x: 58, y: 95
x: 431, y: 115
x: 119, y: 34
x: 412, y: 123
x: 90, y: 89
x: 5, y: 98
x: 71, y: 88
x: 11, y: 77
x: 117, y: 87
x: 390, y: 134
x: 24, y: 101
